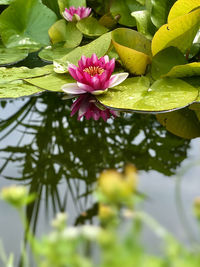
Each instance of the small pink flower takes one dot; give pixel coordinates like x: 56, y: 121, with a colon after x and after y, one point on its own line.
x: 76, y: 14
x: 88, y: 106
x: 93, y: 76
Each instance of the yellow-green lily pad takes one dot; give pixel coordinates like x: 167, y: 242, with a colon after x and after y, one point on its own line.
x: 137, y: 94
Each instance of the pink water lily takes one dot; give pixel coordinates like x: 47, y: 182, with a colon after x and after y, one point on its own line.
x: 88, y: 107
x: 76, y: 14
x: 93, y: 76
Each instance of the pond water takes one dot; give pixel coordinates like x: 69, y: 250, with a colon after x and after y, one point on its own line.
x: 60, y: 158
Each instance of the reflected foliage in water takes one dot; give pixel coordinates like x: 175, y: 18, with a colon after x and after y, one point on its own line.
x: 50, y: 146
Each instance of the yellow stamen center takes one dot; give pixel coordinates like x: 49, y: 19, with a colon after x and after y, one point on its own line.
x: 93, y: 70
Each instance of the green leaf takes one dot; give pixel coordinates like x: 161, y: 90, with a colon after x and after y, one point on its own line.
x: 182, y: 7
x: 52, y: 82
x: 8, y: 75
x: 68, y: 3
x: 165, y: 60
x: 17, y: 89
x: 51, y: 53
x: 133, y: 49
x: 160, y: 10
x: 124, y: 9
x: 180, y: 33
x: 136, y: 94
x: 67, y: 32
x: 99, y: 46
x: 91, y: 27
x: 187, y: 70
x: 144, y: 24
x: 5, y: 2
x: 26, y: 23
x: 53, y: 5
x: 10, y: 56
x: 183, y: 123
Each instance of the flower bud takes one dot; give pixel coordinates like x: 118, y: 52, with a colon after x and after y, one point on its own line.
x: 118, y: 187
x: 60, y: 221
x: 15, y: 195
x: 106, y: 212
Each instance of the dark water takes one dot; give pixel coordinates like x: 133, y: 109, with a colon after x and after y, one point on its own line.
x: 60, y: 158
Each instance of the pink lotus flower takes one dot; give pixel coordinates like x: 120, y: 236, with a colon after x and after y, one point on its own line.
x: 88, y: 106
x: 93, y: 76
x: 76, y: 14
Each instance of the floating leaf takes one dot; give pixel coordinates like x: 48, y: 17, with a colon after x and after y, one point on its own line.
x: 69, y: 3
x: 136, y: 94
x: 144, y: 24
x: 183, y: 123
x: 51, y: 53
x: 52, y: 82
x: 165, y: 60
x: 133, y: 49
x: 108, y: 21
x: 10, y: 56
x: 91, y: 27
x: 12, y: 74
x: 195, y: 82
x: 160, y: 10
x: 179, y: 33
x: 17, y: 89
x: 182, y: 7
x: 26, y: 23
x: 123, y: 8
x: 5, y: 2
x: 99, y: 46
x: 67, y: 32
x: 53, y: 5
x: 187, y: 70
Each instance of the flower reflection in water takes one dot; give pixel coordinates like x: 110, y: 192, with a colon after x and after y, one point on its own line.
x: 88, y: 107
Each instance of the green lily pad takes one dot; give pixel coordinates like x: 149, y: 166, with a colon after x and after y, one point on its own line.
x: 52, y: 82
x: 99, y: 46
x: 144, y: 23
x: 165, y: 60
x: 179, y: 33
x: 26, y: 23
x: 136, y: 94
x: 67, y: 32
x: 187, y: 70
x: 51, y: 53
x: 5, y: 2
x: 10, y: 56
x: 123, y: 8
x: 160, y: 10
x: 67, y: 3
x: 183, y: 123
x: 12, y: 74
x: 91, y: 27
x: 17, y: 89
x: 53, y: 5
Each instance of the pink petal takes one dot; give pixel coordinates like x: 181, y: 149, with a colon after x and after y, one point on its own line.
x: 85, y: 87
x: 95, y: 82
x: 94, y: 59
x: 67, y: 15
x: 117, y: 79
x: 106, y: 59
x: 82, y: 62
x: 72, y: 70
x: 72, y: 88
